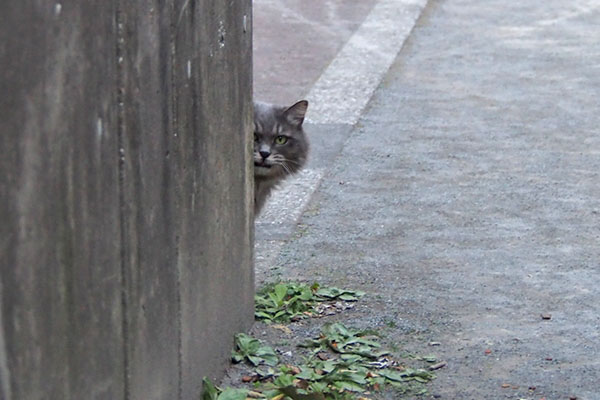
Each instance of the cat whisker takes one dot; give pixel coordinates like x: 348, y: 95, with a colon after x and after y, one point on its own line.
x: 285, y: 167
x: 288, y: 168
x: 293, y: 162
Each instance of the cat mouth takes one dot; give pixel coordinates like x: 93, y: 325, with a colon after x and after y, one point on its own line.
x: 262, y: 164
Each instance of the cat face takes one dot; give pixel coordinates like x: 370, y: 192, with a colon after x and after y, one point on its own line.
x: 280, y: 144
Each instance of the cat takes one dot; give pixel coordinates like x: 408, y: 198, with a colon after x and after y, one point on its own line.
x: 280, y: 146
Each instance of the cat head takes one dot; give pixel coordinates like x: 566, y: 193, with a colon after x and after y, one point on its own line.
x: 280, y: 144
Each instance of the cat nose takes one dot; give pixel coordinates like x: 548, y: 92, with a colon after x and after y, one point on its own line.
x: 264, y: 153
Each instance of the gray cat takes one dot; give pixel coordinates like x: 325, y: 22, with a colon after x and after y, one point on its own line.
x: 280, y: 146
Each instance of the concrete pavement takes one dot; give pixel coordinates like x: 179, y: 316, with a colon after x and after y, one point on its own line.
x: 295, y: 40
x: 465, y: 201
x: 334, y: 54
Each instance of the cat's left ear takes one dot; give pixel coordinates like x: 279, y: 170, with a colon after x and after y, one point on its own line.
x: 295, y: 114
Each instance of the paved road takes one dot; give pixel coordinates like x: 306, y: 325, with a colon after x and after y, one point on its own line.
x: 466, y: 200
x: 295, y: 40
x: 335, y: 55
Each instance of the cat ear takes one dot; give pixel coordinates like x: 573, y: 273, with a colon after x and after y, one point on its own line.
x: 295, y: 114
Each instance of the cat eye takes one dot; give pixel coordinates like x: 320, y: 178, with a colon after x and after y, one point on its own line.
x: 255, y: 137
x: 281, y: 140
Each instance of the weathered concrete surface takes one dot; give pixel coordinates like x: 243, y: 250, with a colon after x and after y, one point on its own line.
x: 214, y: 118
x: 466, y: 201
x: 59, y: 237
x: 295, y: 40
x: 150, y: 218
x: 126, y: 223
x: 344, y: 89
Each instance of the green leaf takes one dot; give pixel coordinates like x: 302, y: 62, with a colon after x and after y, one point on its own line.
x: 236, y: 357
x: 332, y: 293
x: 300, y: 394
x: 358, y: 378
x: 279, y: 315
x: 270, y: 359
x: 318, y: 387
x: 392, y: 375
x: 339, y: 329
x: 254, y: 360
x: 419, y: 375
x: 399, y: 386
x: 242, y: 341
x: 233, y: 394
x: 351, y: 358
x: 380, y: 380
x: 280, y: 292
x: 284, y: 380
x: 263, y: 315
x: 328, y: 366
x: 350, y: 386
x: 308, y: 374
x: 310, y: 343
x: 210, y: 391
x: 349, y: 297
x: 253, y: 350
x: 305, y: 294
x: 265, y: 374
x: 367, y: 342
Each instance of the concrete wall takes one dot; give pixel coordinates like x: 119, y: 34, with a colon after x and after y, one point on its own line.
x: 125, y: 234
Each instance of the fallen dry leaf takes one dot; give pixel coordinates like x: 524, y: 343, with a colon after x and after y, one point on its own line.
x: 439, y: 365
x: 282, y: 328
x: 293, y: 369
x: 301, y: 384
